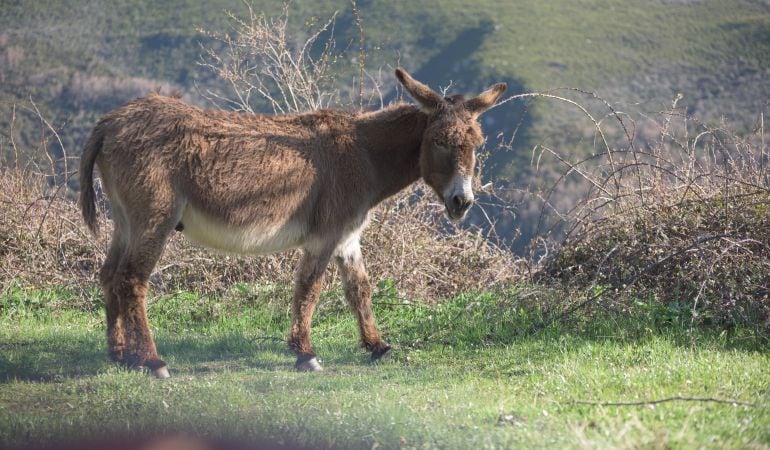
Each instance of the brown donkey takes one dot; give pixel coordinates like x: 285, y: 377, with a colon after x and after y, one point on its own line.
x: 248, y: 183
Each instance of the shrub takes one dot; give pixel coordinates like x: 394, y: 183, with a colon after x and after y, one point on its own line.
x: 682, y: 220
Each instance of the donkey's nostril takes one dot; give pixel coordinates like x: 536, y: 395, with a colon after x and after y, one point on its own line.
x: 460, y: 203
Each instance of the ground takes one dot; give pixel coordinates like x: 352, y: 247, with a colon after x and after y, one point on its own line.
x: 466, y: 374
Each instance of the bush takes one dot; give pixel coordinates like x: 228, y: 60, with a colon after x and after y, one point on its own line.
x: 683, y: 221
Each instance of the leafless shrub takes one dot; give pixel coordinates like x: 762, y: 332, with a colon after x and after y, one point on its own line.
x: 679, y: 221
x: 262, y: 61
x: 41, y: 241
x: 410, y: 243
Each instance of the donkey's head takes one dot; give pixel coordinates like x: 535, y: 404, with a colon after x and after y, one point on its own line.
x: 452, y: 135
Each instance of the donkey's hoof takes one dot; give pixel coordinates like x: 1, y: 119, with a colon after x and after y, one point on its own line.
x: 156, y: 367
x: 161, y: 373
x: 309, y: 365
x: 382, y: 354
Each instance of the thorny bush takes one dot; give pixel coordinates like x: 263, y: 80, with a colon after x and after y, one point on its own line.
x: 677, y: 220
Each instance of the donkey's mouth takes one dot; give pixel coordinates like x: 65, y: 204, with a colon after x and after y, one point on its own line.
x: 455, y: 214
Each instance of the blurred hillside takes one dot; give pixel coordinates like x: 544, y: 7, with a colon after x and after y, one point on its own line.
x: 77, y: 59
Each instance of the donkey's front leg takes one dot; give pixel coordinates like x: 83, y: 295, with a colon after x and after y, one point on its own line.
x: 306, y: 289
x: 358, y: 293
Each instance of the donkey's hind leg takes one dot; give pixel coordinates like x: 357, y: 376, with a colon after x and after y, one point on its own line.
x: 130, y: 285
x: 115, y: 338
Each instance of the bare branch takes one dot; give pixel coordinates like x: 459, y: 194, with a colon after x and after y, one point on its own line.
x: 665, y: 400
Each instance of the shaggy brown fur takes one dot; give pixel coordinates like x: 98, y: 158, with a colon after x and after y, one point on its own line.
x: 259, y: 184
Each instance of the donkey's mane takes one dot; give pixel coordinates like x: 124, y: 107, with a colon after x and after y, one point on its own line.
x: 397, y: 113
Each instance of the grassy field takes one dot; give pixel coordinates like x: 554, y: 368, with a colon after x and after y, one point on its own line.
x: 466, y: 374
x: 590, y: 43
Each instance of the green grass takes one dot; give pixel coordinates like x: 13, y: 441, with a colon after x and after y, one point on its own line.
x: 588, y: 43
x: 475, y: 379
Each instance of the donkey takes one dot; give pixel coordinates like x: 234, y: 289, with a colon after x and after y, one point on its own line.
x: 250, y: 183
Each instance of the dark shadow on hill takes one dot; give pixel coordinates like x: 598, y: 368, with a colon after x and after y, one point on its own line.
x: 456, y: 68
x: 456, y: 64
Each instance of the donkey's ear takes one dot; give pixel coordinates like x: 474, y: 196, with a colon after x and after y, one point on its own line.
x: 486, y: 99
x: 428, y: 99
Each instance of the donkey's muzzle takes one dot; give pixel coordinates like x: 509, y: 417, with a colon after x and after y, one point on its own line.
x: 457, y: 206
x: 458, y: 196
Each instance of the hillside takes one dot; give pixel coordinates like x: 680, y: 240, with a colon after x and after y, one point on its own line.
x: 79, y: 59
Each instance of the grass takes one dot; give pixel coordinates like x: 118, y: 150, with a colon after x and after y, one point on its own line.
x: 466, y: 374
x: 587, y: 43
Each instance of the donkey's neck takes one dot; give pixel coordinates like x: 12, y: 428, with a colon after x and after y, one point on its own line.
x: 392, y: 138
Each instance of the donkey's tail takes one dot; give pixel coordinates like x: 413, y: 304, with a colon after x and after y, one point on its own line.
x: 87, y: 194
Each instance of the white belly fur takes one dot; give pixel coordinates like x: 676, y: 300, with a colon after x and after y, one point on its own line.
x: 251, y: 238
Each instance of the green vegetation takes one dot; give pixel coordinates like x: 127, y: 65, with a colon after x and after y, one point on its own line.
x: 588, y: 44
x: 467, y: 374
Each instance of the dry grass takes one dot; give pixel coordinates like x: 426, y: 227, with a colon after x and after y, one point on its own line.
x: 411, y: 243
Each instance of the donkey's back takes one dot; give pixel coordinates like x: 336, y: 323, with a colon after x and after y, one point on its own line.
x: 235, y: 182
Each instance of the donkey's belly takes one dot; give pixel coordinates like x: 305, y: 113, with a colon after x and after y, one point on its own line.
x: 251, y: 238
